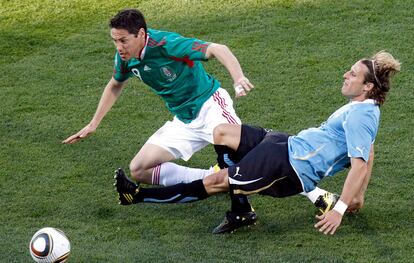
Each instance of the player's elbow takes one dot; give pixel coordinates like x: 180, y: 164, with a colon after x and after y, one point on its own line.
x: 359, y: 165
x: 114, y: 84
x: 215, y: 50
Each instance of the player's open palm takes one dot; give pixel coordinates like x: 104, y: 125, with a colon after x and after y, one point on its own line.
x: 329, y: 222
x: 85, y: 132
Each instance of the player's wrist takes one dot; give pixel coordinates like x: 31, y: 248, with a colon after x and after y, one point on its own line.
x: 340, y: 207
x: 239, y: 81
x: 94, y: 124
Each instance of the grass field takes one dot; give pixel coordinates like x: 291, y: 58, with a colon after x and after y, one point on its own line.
x: 56, y: 57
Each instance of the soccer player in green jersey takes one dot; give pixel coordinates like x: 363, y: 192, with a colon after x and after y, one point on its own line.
x: 170, y: 65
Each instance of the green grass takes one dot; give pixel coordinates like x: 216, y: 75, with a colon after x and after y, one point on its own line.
x: 56, y: 57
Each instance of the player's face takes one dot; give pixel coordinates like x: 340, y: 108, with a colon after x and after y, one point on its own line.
x: 128, y: 45
x: 354, y: 87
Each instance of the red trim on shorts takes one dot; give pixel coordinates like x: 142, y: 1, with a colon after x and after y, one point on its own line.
x: 222, y: 103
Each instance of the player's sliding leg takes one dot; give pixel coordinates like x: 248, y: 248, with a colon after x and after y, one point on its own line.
x: 242, y: 213
x: 233, y: 142
x: 131, y: 193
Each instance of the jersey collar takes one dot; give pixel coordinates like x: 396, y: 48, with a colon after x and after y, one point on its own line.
x: 369, y: 101
x: 142, y: 53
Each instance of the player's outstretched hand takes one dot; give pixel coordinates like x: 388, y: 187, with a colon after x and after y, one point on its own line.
x: 242, y: 87
x: 85, y: 132
x: 329, y: 222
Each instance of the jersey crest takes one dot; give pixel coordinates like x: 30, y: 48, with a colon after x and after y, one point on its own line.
x: 168, y: 73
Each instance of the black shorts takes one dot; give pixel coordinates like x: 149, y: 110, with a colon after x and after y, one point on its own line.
x: 264, y: 165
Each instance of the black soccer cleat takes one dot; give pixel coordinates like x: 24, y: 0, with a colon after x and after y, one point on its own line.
x: 233, y: 220
x: 326, y: 202
x: 125, y: 187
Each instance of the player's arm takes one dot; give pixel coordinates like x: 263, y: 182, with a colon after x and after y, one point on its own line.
x: 354, y: 182
x: 358, y: 201
x: 110, y: 94
x: 223, y: 54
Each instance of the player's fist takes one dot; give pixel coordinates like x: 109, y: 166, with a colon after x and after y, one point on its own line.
x: 242, y: 86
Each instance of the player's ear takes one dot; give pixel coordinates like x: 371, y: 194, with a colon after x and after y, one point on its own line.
x: 141, y: 33
x: 368, y: 86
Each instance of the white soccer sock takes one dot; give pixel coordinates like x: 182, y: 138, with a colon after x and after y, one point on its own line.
x: 314, y: 194
x: 167, y: 174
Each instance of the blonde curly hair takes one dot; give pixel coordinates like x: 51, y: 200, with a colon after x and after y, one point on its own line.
x: 381, y: 68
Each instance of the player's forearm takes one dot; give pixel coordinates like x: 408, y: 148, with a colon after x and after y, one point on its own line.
x: 370, y: 164
x: 354, y: 181
x: 110, y: 94
x: 223, y: 54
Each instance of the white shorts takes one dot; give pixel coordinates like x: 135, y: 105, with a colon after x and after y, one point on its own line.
x: 183, y: 140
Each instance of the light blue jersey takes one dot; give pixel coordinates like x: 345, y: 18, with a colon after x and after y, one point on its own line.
x: 349, y: 132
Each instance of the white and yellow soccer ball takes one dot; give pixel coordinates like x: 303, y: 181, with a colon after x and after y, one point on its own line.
x: 49, y: 245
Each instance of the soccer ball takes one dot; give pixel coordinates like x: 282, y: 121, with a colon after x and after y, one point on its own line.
x: 49, y: 245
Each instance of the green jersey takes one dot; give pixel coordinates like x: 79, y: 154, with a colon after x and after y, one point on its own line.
x: 171, y: 65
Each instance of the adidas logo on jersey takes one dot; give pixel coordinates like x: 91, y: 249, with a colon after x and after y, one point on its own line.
x: 146, y: 68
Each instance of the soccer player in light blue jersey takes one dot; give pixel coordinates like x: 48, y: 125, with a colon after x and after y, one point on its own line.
x: 280, y: 165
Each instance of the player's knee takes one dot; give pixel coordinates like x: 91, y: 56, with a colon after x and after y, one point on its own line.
x: 219, y: 134
x: 137, y: 172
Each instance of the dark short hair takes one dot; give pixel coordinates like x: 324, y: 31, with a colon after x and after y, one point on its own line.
x: 131, y: 20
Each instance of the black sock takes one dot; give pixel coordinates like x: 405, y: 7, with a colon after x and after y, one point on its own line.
x: 239, y: 203
x: 179, y: 193
x: 227, y: 157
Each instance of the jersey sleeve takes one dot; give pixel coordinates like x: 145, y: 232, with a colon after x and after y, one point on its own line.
x: 360, y: 132
x: 181, y: 47
x: 121, y: 72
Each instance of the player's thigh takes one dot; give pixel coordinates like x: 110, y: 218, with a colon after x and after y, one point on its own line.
x: 149, y: 156
x: 264, y: 168
x: 179, y: 139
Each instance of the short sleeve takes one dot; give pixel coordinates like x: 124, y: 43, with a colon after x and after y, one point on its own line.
x: 180, y: 47
x: 121, y: 72
x: 360, y: 131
